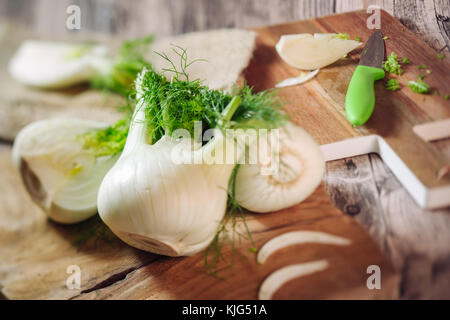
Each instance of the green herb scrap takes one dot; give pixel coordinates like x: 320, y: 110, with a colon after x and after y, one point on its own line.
x: 392, y: 85
x: 391, y: 64
x: 235, y: 215
x: 91, y: 232
x: 441, y: 56
x: 406, y: 61
x: 129, y: 62
x: 343, y: 36
x: 419, y: 86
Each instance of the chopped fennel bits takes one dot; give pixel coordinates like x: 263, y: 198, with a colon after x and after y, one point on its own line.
x: 391, y: 65
x: 405, y: 61
x: 421, y: 76
x: 447, y: 96
x: 441, y: 56
x: 343, y: 36
x: 419, y: 86
x: 392, y: 85
x: 422, y: 67
x: 428, y: 71
x: 436, y: 92
x: 356, y: 38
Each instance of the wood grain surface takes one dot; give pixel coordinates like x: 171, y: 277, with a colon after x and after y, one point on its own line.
x: 362, y: 187
x: 429, y: 19
x: 36, y: 253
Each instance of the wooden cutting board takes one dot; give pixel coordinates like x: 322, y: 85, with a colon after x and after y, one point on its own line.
x: 35, y: 253
x: 318, y: 105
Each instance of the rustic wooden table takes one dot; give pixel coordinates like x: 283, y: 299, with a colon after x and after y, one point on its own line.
x: 417, y: 241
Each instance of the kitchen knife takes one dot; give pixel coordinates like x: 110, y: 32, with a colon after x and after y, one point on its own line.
x: 360, y: 98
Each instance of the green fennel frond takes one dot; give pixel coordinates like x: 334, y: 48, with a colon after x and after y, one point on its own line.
x: 234, y: 216
x: 128, y: 63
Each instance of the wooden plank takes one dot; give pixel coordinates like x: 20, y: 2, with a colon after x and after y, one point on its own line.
x: 170, y: 17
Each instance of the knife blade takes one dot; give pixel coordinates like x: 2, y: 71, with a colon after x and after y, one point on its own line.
x: 360, y: 97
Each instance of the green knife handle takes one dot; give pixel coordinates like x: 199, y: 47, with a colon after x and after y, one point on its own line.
x: 360, y: 99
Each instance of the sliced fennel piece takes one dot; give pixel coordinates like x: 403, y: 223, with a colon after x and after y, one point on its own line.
x: 59, y: 174
x: 156, y: 201
x: 300, y: 170
x: 308, y: 52
x: 303, y: 77
x: 55, y: 65
x: 298, y: 237
x: 280, y: 277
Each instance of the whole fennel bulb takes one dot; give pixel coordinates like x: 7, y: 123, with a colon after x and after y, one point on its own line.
x: 155, y: 203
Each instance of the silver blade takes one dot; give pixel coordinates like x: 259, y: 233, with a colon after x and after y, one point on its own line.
x: 373, y: 52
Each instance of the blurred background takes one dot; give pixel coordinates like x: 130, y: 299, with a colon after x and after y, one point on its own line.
x: 132, y: 18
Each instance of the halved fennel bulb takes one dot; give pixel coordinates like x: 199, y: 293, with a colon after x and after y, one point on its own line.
x: 308, y: 52
x: 56, y: 65
x: 61, y: 176
x: 300, y: 170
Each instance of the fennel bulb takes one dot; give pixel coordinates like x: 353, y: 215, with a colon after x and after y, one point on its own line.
x: 60, y: 175
x: 155, y: 201
x: 55, y: 65
x: 299, y: 171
